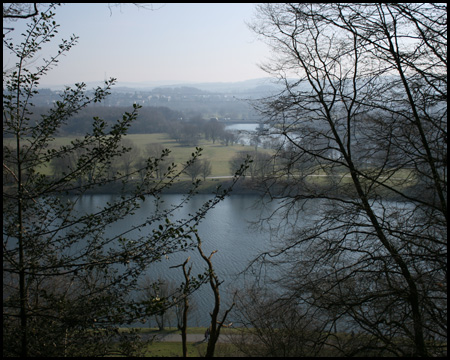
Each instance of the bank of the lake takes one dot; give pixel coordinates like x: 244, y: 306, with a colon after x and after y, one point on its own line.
x: 247, y: 186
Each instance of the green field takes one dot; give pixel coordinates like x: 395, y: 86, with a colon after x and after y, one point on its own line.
x: 219, y: 155
x: 174, y: 349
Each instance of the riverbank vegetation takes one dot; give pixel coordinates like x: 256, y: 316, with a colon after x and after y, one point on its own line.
x: 224, y: 161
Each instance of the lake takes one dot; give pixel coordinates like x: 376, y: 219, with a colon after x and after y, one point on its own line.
x: 250, y: 127
x: 246, y: 134
x: 226, y: 228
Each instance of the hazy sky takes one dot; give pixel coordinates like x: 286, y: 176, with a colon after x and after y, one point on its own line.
x: 175, y: 42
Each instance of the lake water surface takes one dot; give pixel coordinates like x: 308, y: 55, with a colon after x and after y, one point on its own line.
x: 226, y: 228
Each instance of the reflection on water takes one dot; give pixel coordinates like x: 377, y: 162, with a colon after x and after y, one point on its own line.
x: 226, y: 228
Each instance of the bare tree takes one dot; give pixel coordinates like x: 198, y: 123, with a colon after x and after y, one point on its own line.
x: 144, y: 6
x: 216, y: 323
x: 364, y: 103
x: 270, y: 326
x: 185, y: 306
x: 213, y: 130
x: 154, y: 150
x: 130, y: 155
x: 260, y: 166
x: 194, y: 169
x: 14, y: 11
x: 206, y: 168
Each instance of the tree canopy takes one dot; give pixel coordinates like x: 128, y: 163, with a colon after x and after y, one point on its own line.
x: 363, y: 128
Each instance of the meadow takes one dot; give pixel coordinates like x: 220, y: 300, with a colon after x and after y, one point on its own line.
x: 195, y: 349
x: 218, y: 154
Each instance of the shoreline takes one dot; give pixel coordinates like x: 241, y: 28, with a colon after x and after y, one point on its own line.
x: 246, y: 186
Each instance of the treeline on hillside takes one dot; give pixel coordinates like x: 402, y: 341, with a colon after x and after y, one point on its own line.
x: 188, y: 132
x: 188, y: 100
x: 185, y: 129
x: 150, y: 119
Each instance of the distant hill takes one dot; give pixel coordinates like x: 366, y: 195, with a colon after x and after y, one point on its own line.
x: 232, y: 87
x: 240, y: 87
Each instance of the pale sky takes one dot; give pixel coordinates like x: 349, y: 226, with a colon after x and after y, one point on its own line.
x: 177, y: 42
